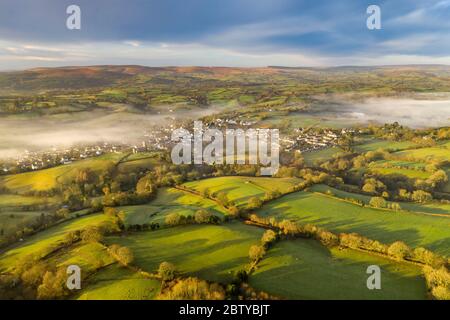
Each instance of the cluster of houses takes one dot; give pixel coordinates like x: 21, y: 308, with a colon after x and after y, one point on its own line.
x: 32, y: 160
x: 219, y: 123
x: 304, y: 139
x: 157, y: 138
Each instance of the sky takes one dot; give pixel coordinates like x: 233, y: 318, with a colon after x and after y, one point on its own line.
x: 242, y: 33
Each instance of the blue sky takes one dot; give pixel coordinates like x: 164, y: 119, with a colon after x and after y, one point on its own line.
x: 223, y: 33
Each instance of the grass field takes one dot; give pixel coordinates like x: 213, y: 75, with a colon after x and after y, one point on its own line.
x: 169, y: 200
x: 340, y: 216
x: 408, y: 169
x: 44, y: 242
x: 375, y: 144
x: 240, y: 189
x: 304, y: 269
x: 138, y: 162
x: 118, y: 283
x: 440, y: 152
x: 47, y: 179
x: 88, y: 256
x: 209, y: 252
x: 13, y: 200
x: 313, y: 157
x: 12, y: 221
x: 430, y: 207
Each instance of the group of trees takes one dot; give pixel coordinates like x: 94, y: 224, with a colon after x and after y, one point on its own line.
x: 176, y: 288
x: 122, y: 254
x: 380, y: 202
x: 201, y: 216
x: 34, y: 279
x: 193, y: 289
x: 438, y: 282
x: 257, y: 251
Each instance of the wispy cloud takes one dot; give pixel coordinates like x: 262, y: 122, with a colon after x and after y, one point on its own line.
x: 233, y: 32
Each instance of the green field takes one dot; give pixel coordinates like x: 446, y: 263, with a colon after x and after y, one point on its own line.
x: 375, y: 144
x: 408, y: 169
x: 88, y: 256
x: 12, y: 221
x: 13, y: 200
x: 206, y: 251
x: 44, y: 242
x: 441, y: 152
x: 118, y: 283
x: 386, y: 226
x: 137, y: 162
x: 313, y: 157
x: 169, y: 200
x: 304, y: 269
x: 434, y: 207
x: 240, y: 189
x: 47, y: 179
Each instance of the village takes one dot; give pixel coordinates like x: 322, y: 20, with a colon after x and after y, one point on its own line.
x: 159, y: 139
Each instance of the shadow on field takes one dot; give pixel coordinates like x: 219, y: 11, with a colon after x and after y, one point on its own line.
x: 376, y: 230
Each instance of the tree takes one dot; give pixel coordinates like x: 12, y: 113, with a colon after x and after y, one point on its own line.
x: 421, y: 196
x: 268, y: 237
x: 377, y: 202
x: 438, y: 179
x: 124, y: 256
x: 369, y: 187
x: 166, y: 271
x: 193, y: 289
x: 109, y: 211
x: 399, y: 250
x: 144, y: 185
x: 32, y: 274
x: 372, y: 185
x: 173, y: 219
x: 254, y: 203
x: 92, y: 234
x: 53, y: 285
x: 223, y: 199
x: 202, y: 216
x: 256, y: 253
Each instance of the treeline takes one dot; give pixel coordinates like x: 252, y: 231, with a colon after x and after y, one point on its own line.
x: 396, y: 132
x: 201, y: 216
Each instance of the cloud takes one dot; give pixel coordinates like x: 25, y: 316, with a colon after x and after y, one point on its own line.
x: 213, y: 32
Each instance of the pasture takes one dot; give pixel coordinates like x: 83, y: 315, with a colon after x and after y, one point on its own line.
x: 411, y: 170
x: 386, y: 226
x: 118, y: 283
x: 44, y: 242
x: 169, y: 200
x: 240, y: 189
x: 48, y: 179
x: 440, y: 152
x: 304, y: 269
x: 211, y: 252
x: 318, y: 156
x: 375, y: 144
x: 435, y: 207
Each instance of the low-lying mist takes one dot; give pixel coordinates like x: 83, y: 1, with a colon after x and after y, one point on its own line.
x: 414, y: 113
x: 23, y: 132
x: 20, y: 133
